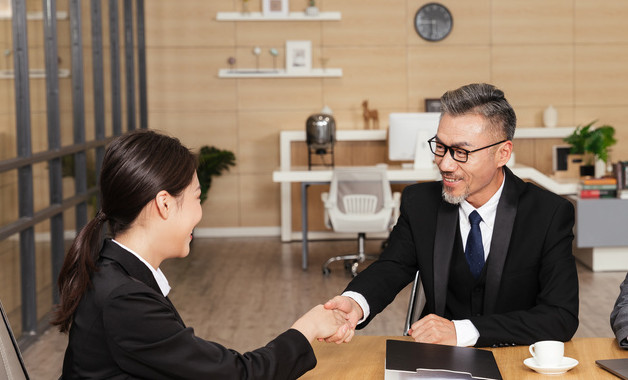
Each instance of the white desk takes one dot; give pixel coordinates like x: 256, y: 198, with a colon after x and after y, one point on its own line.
x: 395, y: 175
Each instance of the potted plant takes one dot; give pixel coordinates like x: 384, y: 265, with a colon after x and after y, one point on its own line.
x: 212, y: 162
x: 592, y: 143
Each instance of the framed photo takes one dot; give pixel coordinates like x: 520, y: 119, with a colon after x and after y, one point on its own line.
x: 432, y: 105
x: 298, y: 56
x: 275, y: 7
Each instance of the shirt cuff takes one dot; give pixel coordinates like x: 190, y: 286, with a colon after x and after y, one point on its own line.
x: 359, y: 298
x: 466, y: 333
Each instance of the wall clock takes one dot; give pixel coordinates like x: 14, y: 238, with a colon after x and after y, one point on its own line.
x: 433, y: 22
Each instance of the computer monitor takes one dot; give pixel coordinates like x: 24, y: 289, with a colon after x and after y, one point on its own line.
x: 408, y: 133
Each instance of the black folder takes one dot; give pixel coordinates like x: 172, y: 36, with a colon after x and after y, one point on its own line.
x: 412, y: 360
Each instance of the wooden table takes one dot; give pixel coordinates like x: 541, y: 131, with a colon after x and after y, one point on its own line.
x: 363, y: 358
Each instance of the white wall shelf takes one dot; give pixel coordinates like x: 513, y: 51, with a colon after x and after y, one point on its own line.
x: 543, y: 133
x: 278, y: 73
x: 292, y: 16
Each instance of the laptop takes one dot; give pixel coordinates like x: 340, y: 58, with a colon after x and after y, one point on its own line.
x: 618, y: 367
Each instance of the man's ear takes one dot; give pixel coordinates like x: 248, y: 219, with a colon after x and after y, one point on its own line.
x: 504, y: 152
x: 164, y: 203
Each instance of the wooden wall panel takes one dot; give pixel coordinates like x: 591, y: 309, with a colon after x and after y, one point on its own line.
x: 376, y: 73
x: 532, y: 22
x: 600, y: 22
x: 259, y: 201
x: 184, y: 79
x: 366, y: 23
x: 601, y: 76
x: 222, y: 206
x: 188, y: 23
x: 432, y: 71
x: 521, y: 71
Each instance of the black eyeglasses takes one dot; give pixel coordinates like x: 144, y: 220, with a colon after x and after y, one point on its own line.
x: 458, y: 154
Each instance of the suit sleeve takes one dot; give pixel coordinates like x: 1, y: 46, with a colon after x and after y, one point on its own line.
x: 619, y: 315
x: 552, y: 279
x: 147, y: 340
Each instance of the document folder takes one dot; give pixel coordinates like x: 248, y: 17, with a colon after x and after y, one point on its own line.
x: 411, y: 360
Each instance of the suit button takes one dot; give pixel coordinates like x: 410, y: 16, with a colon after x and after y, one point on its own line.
x: 501, y: 345
x: 494, y: 345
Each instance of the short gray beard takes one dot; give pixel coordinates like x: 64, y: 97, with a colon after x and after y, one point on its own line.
x: 454, y: 199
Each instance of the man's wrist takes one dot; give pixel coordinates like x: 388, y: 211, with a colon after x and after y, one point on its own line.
x: 361, y: 301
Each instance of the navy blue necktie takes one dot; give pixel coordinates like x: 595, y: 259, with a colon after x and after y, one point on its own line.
x: 474, y: 251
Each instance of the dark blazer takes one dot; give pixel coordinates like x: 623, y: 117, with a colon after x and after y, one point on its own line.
x: 531, y: 291
x: 619, y: 315
x: 124, y: 328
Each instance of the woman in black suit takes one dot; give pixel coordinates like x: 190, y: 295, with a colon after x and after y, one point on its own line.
x: 114, y: 300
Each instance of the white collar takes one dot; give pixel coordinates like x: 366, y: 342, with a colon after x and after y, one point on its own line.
x: 161, y: 279
x: 488, y: 210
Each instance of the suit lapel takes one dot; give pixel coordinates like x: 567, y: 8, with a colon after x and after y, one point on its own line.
x: 446, y: 224
x: 502, y: 231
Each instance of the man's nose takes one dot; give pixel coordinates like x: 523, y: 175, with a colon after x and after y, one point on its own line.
x: 447, y: 163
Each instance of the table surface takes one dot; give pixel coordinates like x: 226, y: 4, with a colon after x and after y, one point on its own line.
x: 363, y: 358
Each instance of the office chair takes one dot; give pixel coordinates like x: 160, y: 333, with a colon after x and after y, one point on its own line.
x: 13, y: 367
x: 415, y: 304
x: 359, y: 201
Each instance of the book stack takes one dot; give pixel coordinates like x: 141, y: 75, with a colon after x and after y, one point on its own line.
x: 595, y: 188
x: 621, y: 173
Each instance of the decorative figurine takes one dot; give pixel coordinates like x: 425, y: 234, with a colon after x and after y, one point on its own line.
x: 311, y: 10
x: 245, y: 7
x: 324, y: 61
x: 369, y: 115
x: 274, y: 53
x: 257, y: 51
x: 231, y: 61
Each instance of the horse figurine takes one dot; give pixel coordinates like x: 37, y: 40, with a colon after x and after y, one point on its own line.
x: 369, y: 115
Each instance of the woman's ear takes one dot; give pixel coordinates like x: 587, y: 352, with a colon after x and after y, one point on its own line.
x: 164, y: 202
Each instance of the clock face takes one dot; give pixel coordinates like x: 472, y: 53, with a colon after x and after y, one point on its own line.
x: 433, y: 22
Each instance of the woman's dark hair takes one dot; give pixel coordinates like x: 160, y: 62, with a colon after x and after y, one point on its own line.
x: 135, y: 168
x: 486, y: 100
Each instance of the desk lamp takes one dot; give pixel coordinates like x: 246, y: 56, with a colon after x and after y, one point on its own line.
x: 321, y: 137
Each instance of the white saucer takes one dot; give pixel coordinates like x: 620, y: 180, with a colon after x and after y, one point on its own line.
x: 565, y: 365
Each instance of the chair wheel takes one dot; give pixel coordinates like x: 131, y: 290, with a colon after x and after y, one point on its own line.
x: 326, y: 271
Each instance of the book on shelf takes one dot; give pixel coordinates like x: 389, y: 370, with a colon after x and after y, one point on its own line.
x: 597, y: 193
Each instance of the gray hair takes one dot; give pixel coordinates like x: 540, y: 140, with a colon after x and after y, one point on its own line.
x: 482, y: 99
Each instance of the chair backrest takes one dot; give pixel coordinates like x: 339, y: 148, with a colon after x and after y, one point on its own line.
x: 359, y: 203
x: 370, y: 183
x: 415, y: 304
x: 13, y: 367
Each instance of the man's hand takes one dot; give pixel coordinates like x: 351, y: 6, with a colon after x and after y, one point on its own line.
x: 353, y: 313
x: 434, y: 329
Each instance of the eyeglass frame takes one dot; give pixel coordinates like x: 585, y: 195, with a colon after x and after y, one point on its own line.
x: 451, y: 150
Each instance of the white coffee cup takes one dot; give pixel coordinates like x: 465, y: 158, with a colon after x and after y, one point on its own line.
x: 548, y: 353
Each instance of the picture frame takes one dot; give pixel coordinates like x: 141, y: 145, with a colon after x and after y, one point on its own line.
x: 275, y: 7
x: 298, y: 56
x: 432, y: 105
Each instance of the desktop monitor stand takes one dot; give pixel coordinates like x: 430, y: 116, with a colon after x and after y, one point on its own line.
x: 423, y: 156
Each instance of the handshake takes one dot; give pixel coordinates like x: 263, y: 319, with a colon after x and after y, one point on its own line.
x: 333, y: 322
x: 336, y: 321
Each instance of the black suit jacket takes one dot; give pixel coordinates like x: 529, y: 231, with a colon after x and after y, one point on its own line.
x: 125, y: 328
x: 531, y: 291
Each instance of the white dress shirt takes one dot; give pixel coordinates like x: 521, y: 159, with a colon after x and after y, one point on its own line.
x: 161, y: 279
x: 466, y: 333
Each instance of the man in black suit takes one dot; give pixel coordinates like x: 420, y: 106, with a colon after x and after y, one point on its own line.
x: 493, y: 252
x: 619, y: 315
